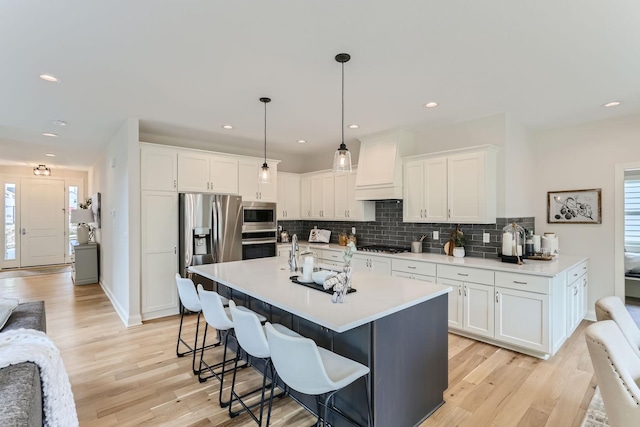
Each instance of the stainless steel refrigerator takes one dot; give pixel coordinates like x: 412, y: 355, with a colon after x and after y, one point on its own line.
x: 210, y: 229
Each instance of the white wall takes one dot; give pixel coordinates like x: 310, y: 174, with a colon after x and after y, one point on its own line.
x: 519, y: 172
x: 584, y: 157
x: 116, y: 176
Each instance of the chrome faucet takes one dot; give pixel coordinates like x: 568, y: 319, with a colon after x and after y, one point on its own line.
x: 293, y: 254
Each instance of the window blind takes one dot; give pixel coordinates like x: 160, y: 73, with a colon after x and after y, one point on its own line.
x: 632, y: 211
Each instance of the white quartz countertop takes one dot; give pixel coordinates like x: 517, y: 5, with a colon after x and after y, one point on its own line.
x: 533, y: 267
x: 267, y: 279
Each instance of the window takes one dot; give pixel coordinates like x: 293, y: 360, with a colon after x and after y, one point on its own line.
x: 73, y: 228
x: 9, y: 221
x: 632, y: 211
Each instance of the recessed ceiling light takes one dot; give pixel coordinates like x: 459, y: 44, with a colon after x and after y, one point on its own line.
x: 227, y: 127
x: 431, y: 104
x: 50, y: 134
x: 50, y: 155
x: 302, y: 141
x: 612, y: 104
x: 353, y: 126
x: 59, y: 123
x: 49, y: 78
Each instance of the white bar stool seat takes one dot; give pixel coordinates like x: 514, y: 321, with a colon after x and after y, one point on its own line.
x: 252, y: 339
x: 612, y: 308
x: 218, y: 317
x: 189, y: 301
x: 309, y: 369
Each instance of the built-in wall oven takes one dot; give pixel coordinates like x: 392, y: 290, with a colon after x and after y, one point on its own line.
x: 259, y: 230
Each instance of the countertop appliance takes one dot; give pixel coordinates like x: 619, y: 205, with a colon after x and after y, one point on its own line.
x: 210, y: 229
x: 259, y: 230
x: 383, y: 249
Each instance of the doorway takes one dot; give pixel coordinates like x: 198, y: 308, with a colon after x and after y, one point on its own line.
x: 34, y: 226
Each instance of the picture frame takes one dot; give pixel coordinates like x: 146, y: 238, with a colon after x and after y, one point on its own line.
x: 95, y: 208
x: 574, y: 206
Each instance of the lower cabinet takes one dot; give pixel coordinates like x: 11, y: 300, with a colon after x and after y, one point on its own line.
x: 471, y: 307
x: 522, y: 319
x: 372, y: 263
x: 159, y: 295
x: 85, y: 263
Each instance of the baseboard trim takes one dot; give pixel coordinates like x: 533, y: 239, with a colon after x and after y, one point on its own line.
x: 120, y: 311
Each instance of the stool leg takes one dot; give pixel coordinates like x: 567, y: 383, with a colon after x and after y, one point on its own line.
x: 224, y: 364
x: 204, y: 340
x: 195, y: 345
x: 233, y: 385
x: 180, y: 333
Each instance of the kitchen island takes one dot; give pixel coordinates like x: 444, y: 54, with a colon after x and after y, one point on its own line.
x: 396, y: 326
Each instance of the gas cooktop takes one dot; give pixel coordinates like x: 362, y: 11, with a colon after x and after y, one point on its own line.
x: 383, y: 249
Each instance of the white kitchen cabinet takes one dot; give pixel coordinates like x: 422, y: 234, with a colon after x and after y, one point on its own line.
x: 205, y: 173
x: 347, y: 208
x: 475, y: 288
x: 158, y: 168
x: 288, y: 196
x: 522, y: 318
x: 250, y: 189
x: 322, y: 196
x: 159, y: 264
x: 457, y: 186
x: 416, y: 270
x: 425, y: 187
x: 371, y: 263
x: 576, y: 295
x: 305, y: 197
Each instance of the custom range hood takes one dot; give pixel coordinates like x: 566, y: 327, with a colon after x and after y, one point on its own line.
x: 379, y: 174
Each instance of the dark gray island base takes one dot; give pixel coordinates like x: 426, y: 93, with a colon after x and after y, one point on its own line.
x: 406, y: 352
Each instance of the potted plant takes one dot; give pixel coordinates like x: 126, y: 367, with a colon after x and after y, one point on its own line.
x: 459, y: 240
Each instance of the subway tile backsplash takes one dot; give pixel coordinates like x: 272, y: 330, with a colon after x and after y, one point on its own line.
x: 388, y: 229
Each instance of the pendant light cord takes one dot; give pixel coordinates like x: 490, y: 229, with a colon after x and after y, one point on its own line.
x: 343, y: 103
x: 265, y: 132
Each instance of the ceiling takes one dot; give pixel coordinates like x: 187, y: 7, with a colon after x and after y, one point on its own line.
x: 188, y: 67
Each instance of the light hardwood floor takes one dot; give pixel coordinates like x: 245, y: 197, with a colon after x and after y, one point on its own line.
x: 132, y: 377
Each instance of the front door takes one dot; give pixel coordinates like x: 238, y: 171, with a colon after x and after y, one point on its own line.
x: 42, y: 222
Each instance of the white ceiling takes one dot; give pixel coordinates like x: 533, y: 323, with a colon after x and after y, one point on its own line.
x: 188, y: 67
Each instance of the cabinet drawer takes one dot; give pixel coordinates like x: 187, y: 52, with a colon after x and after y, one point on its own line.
x: 523, y: 282
x: 413, y: 267
x: 473, y: 275
x: 577, y: 271
x: 332, y: 255
x: 420, y: 277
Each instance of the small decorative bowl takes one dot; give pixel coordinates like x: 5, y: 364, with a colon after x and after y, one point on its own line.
x: 320, y: 276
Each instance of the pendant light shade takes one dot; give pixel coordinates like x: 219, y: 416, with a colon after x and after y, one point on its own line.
x: 264, y: 174
x: 342, y: 156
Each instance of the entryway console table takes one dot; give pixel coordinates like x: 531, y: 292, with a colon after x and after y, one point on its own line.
x: 85, y: 264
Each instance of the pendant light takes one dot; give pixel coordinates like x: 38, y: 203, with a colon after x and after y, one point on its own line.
x: 342, y: 156
x: 264, y: 174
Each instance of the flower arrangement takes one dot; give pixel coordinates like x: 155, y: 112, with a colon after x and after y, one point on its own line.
x: 342, y: 281
x: 86, y: 204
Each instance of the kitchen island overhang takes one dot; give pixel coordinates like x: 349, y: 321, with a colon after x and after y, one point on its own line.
x: 396, y: 326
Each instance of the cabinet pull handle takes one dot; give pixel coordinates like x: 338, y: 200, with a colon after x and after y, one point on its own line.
x: 348, y: 214
x: 575, y: 274
x: 175, y: 183
x: 261, y: 195
x: 497, y: 300
x: 175, y: 250
x: 24, y: 231
x: 459, y: 291
x: 575, y: 290
x: 411, y: 267
x: 519, y: 283
x: 448, y: 213
x: 465, y: 291
x: 463, y: 274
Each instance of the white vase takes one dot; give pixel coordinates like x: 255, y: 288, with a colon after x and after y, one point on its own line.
x: 458, y: 252
x: 83, y: 234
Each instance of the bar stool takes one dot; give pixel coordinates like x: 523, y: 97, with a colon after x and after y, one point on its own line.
x: 309, y: 369
x: 189, y: 301
x: 217, y: 316
x: 253, y: 341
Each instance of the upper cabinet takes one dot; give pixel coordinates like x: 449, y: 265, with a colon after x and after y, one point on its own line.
x: 288, y: 196
x: 347, y: 208
x: 322, y: 196
x: 305, y: 197
x: 380, y: 165
x: 206, y: 173
x: 455, y: 186
x: 158, y: 168
x: 250, y: 189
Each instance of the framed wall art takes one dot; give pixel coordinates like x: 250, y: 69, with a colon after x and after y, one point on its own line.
x: 574, y: 207
x: 95, y: 207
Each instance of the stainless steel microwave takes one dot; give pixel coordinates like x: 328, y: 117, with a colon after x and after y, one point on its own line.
x: 258, y: 216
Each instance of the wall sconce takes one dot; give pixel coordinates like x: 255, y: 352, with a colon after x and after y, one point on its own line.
x: 42, y: 170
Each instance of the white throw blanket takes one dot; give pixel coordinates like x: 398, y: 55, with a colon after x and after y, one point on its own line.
x: 29, y: 345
